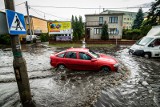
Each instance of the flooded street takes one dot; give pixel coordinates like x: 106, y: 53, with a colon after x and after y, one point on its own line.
x: 141, y: 89
x: 137, y: 84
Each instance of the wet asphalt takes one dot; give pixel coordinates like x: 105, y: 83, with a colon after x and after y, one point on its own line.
x: 137, y: 84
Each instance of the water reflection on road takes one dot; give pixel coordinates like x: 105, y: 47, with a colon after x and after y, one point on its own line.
x: 142, y: 89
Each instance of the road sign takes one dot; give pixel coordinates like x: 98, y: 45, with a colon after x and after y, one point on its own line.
x: 16, y: 23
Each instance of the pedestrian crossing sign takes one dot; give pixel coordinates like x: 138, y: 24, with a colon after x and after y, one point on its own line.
x: 16, y: 23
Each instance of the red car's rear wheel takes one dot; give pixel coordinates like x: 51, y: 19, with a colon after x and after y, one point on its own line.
x: 61, y: 67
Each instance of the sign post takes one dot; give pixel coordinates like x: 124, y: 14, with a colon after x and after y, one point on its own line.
x: 16, y: 26
x: 117, y: 32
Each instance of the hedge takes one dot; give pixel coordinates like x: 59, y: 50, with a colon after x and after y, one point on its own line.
x: 5, y: 39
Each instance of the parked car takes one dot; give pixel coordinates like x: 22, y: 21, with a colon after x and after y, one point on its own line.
x: 148, y: 46
x: 83, y: 59
x: 30, y: 38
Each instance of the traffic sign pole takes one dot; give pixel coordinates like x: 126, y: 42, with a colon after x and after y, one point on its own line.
x: 19, y: 65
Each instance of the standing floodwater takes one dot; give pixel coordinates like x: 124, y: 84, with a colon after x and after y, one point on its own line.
x: 80, y: 89
x: 141, y: 89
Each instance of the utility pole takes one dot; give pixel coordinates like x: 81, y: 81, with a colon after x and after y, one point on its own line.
x: 19, y: 65
x: 29, y: 21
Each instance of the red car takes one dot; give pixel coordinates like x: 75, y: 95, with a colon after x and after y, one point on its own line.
x: 83, y: 59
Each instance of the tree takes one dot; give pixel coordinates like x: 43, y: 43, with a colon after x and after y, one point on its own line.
x: 81, y: 27
x: 139, y: 19
x: 104, y: 35
x: 78, y: 27
x: 154, y: 13
x: 145, y: 27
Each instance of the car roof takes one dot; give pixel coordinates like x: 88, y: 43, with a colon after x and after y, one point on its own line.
x: 78, y: 49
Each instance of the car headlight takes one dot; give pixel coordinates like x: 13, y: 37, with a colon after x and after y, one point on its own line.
x: 116, y: 65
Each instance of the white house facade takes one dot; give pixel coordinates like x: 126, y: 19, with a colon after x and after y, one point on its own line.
x: 94, y: 24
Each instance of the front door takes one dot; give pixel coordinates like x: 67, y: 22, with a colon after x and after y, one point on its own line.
x: 88, y: 33
x: 85, y: 62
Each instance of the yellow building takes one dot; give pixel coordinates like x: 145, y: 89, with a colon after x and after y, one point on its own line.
x: 38, y: 26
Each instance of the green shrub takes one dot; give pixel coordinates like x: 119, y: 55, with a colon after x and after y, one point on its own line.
x: 52, y: 37
x: 5, y: 39
x: 44, y: 37
x: 131, y: 34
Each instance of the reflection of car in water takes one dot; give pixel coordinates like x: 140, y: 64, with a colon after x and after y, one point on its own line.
x: 83, y: 59
x: 148, y: 46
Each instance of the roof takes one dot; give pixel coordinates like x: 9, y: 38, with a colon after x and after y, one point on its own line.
x: 118, y: 11
x: 104, y: 14
x: 155, y: 31
x: 57, y: 21
x: 78, y: 49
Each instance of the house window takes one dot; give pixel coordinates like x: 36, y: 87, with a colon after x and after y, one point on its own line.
x: 113, y: 19
x: 97, y: 30
x: 113, y: 31
x: 101, y: 20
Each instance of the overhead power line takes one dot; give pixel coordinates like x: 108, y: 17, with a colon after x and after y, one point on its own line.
x: 20, y: 4
x: 89, y: 8
x: 36, y: 11
x: 47, y: 13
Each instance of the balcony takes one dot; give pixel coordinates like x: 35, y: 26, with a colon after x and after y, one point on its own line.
x: 94, y: 23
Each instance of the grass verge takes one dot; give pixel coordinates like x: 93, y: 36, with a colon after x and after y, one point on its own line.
x: 59, y: 45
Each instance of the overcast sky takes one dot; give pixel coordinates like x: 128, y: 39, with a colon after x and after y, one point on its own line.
x: 66, y: 13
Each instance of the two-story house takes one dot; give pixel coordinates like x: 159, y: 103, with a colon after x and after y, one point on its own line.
x: 120, y: 19
x: 128, y: 17
x: 94, y: 24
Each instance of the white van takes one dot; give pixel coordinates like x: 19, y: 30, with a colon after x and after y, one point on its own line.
x: 148, y: 46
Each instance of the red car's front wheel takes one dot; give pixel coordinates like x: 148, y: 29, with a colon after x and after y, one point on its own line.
x: 105, y: 69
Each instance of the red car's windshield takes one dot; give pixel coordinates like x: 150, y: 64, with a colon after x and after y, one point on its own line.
x: 94, y: 54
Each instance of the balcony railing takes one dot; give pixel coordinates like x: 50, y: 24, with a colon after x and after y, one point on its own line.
x: 94, y: 23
